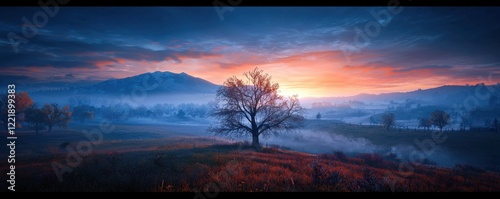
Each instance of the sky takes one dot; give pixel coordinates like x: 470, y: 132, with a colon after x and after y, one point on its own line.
x: 309, y: 51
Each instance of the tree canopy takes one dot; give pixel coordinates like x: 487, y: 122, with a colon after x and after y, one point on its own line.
x: 254, y: 107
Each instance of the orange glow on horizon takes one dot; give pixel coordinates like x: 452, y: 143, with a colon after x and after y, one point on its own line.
x: 312, y: 74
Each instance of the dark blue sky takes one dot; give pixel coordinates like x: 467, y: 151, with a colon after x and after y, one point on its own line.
x: 312, y: 51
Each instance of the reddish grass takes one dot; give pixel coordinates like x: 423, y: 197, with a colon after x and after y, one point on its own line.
x: 232, y: 167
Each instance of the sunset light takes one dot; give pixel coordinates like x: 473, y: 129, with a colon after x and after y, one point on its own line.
x: 396, y: 96
x: 311, y: 52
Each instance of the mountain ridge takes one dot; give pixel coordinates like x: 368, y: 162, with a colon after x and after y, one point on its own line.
x: 157, y: 82
x: 445, y: 94
x: 168, y: 83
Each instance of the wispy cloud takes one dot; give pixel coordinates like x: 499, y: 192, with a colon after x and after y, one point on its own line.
x: 302, y: 48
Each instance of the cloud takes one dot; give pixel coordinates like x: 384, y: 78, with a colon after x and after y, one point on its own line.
x: 424, y: 67
x: 228, y: 65
x: 300, y: 47
x: 45, y: 52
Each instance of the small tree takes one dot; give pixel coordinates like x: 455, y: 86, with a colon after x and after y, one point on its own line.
x: 424, y: 123
x: 181, y: 114
x: 388, y: 120
x: 318, y: 116
x: 464, y: 123
x: 82, y: 113
x: 495, y: 124
x: 36, y: 118
x: 56, y: 116
x: 254, y: 108
x: 440, y: 119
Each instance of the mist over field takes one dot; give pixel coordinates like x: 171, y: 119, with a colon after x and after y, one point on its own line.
x: 388, y: 98
x: 187, y: 114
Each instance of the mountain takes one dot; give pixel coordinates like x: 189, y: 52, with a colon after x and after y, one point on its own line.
x: 156, y: 87
x: 167, y: 87
x: 154, y: 83
x: 443, y: 95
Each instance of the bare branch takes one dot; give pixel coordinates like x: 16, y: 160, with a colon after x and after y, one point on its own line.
x: 254, y: 108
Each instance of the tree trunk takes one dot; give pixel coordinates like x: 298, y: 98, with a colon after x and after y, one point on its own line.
x: 50, y: 128
x: 255, y: 142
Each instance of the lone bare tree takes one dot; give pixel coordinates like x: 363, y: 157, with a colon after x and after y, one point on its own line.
x: 388, y: 120
x: 254, y: 107
x: 440, y: 119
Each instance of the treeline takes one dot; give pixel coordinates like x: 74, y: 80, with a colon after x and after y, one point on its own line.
x: 40, y: 117
x: 124, y: 111
x: 437, y: 118
x: 34, y: 116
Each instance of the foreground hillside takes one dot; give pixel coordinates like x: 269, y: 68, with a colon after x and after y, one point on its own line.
x: 205, y: 164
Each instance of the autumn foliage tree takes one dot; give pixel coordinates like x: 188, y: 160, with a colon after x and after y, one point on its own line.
x: 22, y: 102
x: 253, y: 107
x: 56, y: 115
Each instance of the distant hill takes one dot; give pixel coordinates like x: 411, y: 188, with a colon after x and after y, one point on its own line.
x: 443, y: 95
x: 157, y: 82
x: 158, y: 87
x: 179, y: 85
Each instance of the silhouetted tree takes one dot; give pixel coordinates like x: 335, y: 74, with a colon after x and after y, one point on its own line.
x: 22, y: 101
x: 372, y: 120
x: 181, y: 114
x: 318, y: 116
x: 56, y: 116
x: 440, y: 119
x: 35, y: 118
x: 495, y: 124
x: 254, y: 107
x: 82, y: 113
x: 424, y: 123
x: 464, y: 123
x: 388, y: 120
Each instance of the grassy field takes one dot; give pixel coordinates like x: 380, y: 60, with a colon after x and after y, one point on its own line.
x: 472, y: 147
x: 177, y: 158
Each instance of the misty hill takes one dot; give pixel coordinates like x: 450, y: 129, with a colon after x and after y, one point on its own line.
x: 443, y: 95
x: 156, y: 87
x: 157, y: 82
